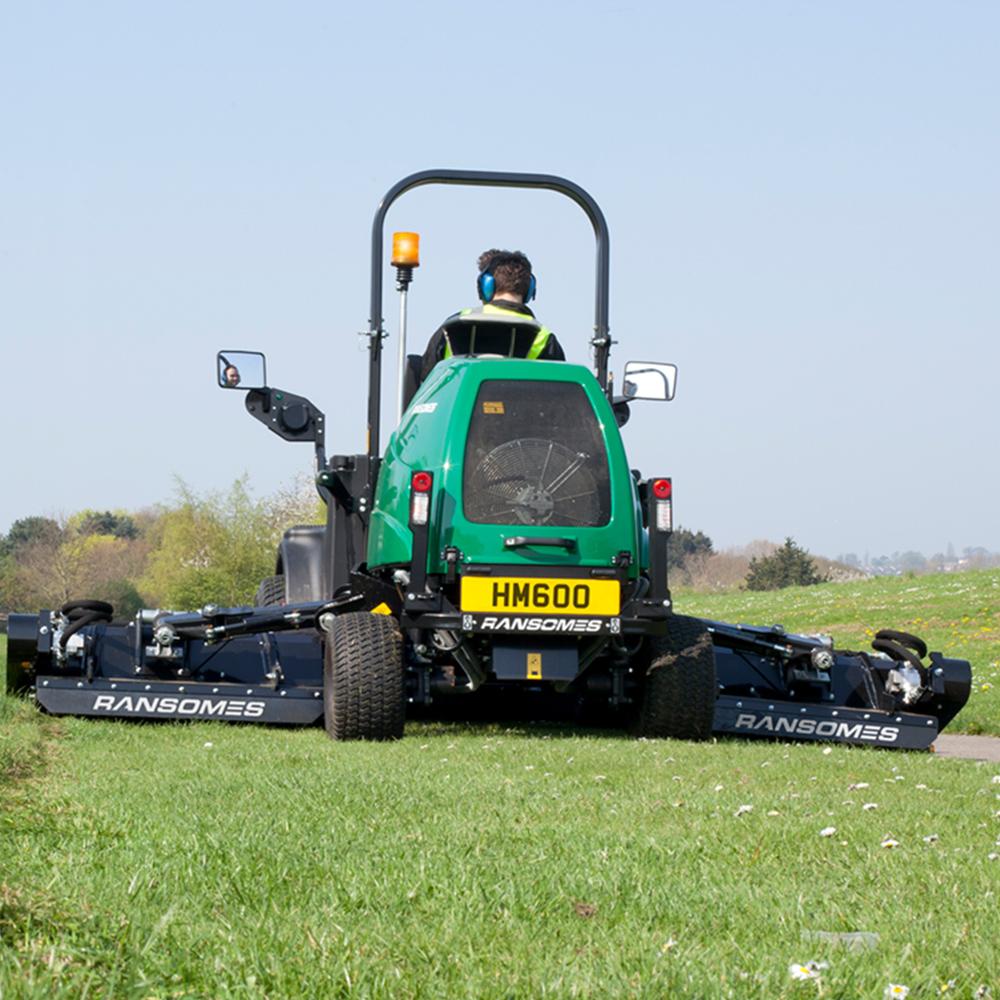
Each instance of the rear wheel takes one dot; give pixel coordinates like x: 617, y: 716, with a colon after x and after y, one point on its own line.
x: 679, y: 689
x: 364, y: 694
x: 270, y: 592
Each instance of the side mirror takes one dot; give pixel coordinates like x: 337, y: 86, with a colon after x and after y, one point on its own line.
x: 241, y: 370
x: 649, y: 380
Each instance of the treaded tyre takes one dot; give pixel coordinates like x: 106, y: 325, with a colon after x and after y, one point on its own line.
x: 364, y: 693
x: 679, y: 690
x: 270, y: 592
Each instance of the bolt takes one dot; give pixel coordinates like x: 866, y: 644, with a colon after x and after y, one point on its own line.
x: 411, y: 597
x: 939, y: 671
x: 44, y: 630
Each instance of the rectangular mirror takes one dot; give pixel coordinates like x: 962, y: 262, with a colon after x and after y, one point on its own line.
x: 241, y: 370
x: 649, y: 380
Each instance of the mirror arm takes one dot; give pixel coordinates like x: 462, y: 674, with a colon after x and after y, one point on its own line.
x: 291, y: 417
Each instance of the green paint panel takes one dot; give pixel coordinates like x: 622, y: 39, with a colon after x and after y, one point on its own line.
x: 432, y: 438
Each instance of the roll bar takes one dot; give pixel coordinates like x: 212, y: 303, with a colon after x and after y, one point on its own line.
x: 601, y: 341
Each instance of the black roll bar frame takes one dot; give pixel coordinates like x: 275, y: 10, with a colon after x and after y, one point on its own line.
x: 600, y: 342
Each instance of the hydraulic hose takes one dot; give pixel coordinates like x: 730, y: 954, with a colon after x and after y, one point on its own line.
x: 80, y: 614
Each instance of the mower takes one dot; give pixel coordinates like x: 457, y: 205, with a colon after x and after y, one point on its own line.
x: 500, y: 546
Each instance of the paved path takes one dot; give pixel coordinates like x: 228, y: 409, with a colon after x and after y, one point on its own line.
x: 970, y: 747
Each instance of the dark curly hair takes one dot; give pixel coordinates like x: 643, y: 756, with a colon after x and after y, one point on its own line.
x: 510, y: 269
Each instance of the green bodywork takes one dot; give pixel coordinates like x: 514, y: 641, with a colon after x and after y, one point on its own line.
x: 432, y: 438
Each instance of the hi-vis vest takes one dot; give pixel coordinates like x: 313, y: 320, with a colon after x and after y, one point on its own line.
x: 492, y: 330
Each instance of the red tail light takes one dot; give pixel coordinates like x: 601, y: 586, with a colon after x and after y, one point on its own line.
x: 420, y: 497
x: 663, y: 505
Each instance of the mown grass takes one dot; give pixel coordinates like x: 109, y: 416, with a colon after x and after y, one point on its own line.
x: 957, y: 613
x: 204, y: 860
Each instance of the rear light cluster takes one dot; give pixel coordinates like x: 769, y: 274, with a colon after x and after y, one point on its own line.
x: 663, y: 493
x: 420, y: 497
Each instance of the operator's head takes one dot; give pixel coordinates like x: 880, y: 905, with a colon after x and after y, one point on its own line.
x: 505, y: 274
x: 232, y: 375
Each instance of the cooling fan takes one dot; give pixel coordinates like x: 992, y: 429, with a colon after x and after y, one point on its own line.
x: 533, y: 481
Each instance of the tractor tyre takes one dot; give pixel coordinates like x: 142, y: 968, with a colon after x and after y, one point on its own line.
x: 364, y: 688
x: 270, y: 592
x: 679, y: 690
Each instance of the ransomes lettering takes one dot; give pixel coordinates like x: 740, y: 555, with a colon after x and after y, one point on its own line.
x: 817, y: 728
x: 552, y: 625
x: 146, y: 705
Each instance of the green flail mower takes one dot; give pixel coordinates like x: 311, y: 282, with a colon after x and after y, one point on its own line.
x: 500, y: 548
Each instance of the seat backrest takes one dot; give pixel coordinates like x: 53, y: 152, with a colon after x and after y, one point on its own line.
x: 510, y: 338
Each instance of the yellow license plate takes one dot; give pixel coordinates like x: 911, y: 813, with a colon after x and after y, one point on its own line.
x: 540, y: 595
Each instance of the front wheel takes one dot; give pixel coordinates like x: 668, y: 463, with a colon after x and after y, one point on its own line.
x: 364, y: 692
x: 679, y: 687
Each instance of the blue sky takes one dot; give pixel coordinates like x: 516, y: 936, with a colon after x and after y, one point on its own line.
x: 804, y: 203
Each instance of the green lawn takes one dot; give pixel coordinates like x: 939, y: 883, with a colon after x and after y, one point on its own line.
x: 204, y: 860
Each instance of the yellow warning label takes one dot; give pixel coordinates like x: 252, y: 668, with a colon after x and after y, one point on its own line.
x: 534, y: 666
x: 382, y: 609
x: 493, y: 407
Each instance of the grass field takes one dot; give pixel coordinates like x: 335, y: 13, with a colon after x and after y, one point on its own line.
x: 202, y: 860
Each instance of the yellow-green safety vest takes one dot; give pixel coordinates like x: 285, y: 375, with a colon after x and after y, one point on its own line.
x: 494, y: 314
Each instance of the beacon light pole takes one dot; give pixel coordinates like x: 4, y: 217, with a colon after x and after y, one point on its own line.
x: 405, y: 257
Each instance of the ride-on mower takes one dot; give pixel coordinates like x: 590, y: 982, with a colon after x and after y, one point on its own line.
x: 500, y: 542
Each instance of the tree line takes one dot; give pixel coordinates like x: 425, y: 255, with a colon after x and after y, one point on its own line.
x: 198, y: 548
x: 692, y: 558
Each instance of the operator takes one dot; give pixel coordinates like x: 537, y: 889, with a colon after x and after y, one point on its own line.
x: 505, y: 285
x: 232, y: 376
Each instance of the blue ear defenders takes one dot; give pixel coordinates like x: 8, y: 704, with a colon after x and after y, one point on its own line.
x: 486, y: 285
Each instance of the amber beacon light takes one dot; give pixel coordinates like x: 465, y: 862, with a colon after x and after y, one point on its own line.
x: 405, y: 257
x: 406, y: 249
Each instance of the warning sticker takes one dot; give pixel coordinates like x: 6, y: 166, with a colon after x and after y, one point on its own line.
x: 493, y: 407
